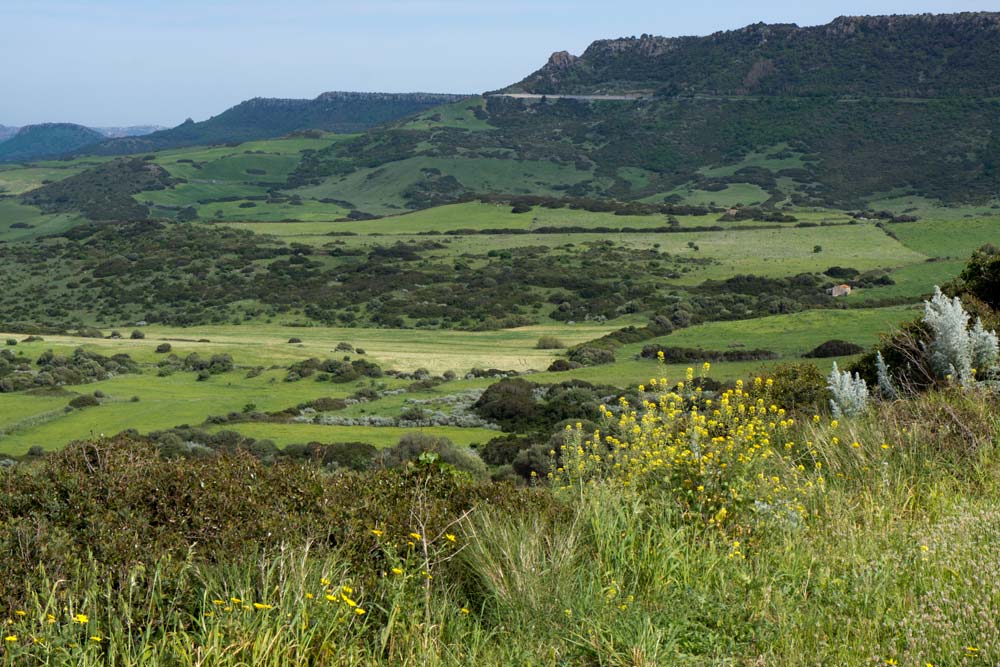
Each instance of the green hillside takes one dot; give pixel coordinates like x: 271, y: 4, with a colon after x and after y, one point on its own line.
x: 46, y: 140
x: 263, y: 118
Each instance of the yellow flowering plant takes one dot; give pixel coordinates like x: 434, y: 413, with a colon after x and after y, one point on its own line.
x: 727, y: 460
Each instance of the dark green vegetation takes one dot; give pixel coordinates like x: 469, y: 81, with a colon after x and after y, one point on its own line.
x: 863, y: 56
x: 35, y: 142
x: 104, y: 192
x: 264, y: 118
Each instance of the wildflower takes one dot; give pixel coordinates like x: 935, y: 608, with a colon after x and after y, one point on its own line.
x: 397, y: 570
x: 891, y: 661
x: 377, y: 533
x: 260, y: 606
x: 96, y: 638
x: 449, y: 537
x: 359, y: 611
x: 834, y: 424
x: 972, y: 649
x: 415, y: 536
x: 21, y: 612
x: 309, y: 596
x: 464, y: 610
x: 50, y: 619
x: 218, y: 602
x: 331, y: 598
x: 347, y: 589
x: 324, y: 581
x: 348, y: 601
x: 81, y: 619
x: 10, y: 638
x: 235, y: 600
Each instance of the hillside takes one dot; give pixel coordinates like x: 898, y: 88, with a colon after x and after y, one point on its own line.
x: 6, y: 132
x: 35, y: 142
x: 263, y: 118
x: 868, y: 56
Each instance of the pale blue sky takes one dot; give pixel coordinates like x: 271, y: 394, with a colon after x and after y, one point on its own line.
x: 124, y: 62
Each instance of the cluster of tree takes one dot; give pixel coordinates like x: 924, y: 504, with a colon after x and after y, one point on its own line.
x: 103, y: 192
x: 18, y: 373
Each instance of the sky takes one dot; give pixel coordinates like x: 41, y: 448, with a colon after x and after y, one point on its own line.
x: 138, y: 62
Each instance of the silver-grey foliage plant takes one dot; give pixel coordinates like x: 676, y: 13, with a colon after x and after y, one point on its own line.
x: 955, y: 350
x: 886, y: 387
x: 849, y: 393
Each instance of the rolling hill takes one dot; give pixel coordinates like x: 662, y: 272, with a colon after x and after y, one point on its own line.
x: 264, y: 118
x: 34, y: 142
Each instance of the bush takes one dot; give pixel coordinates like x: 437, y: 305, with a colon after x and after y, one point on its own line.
x: 12, y: 341
x: 560, y: 365
x: 510, y: 403
x: 834, y: 348
x: 85, y: 401
x: 137, y: 335
x: 163, y: 348
x: 549, y: 343
x: 591, y: 356
x: 294, y: 340
x: 798, y: 386
x: 412, y: 446
x: 848, y: 393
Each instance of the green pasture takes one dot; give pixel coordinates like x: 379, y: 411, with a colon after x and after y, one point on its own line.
x: 456, y: 115
x: 308, y: 210
x: 261, y: 344
x: 379, y: 191
x: 789, y: 335
x: 12, y: 212
x: 769, y: 252
x: 773, y: 158
x: 951, y: 239
x: 379, y: 436
x: 15, y: 180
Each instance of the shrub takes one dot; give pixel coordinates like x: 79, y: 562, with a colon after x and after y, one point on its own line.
x: 591, y: 356
x: 294, y: 340
x: 413, y: 446
x: 85, y: 401
x: 798, y: 386
x: 834, y: 348
x: 549, y: 343
x: 560, y: 365
x: 732, y: 467
x: 12, y: 341
x: 163, y: 348
x: 849, y: 393
x: 510, y: 403
x: 954, y: 350
x: 137, y: 335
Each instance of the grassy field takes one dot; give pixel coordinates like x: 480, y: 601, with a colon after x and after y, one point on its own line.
x: 28, y: 419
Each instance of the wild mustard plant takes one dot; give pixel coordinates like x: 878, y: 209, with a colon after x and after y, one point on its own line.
x: 727, y: 461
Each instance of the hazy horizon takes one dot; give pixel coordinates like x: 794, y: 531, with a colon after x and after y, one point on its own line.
x: 109, y: 63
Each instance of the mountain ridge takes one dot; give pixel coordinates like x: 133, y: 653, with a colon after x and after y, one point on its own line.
x: 785, y: 59
x: 268, y: 117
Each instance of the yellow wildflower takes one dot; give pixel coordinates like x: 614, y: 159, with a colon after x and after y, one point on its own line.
x: 261, y: 606
x: 10, y: 638
x: 81, y: 619
x: 359, y: 611
x: 449, y: 537
x: 96, y: 638
x: 415, y: 536
x: 397, y: 570
x: 377, y: 533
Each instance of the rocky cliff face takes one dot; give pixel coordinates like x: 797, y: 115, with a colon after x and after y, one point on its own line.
x: 924, y: 55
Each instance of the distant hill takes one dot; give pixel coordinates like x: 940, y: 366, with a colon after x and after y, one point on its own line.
x: 835, y: 115
x: 917, y: 56
x: 265, y: 118
x: 34, y: 142
x: 7, y: 132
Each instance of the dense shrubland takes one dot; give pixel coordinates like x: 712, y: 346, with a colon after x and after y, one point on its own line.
x: 199, y: 274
